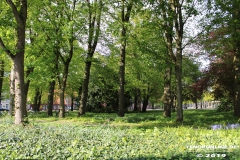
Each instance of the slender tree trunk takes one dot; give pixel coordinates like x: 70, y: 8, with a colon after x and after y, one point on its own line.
x: 35, y: 100
x: 39, y: 101
x: 12, y: 90
x: 72, y: 99
x: 178, y: 25
x: 178, y: 72
x: 124, y: 19
x: 50, y: 97
x: 196, y: 104
x: 121, y: 96
x: 145, y: 103
x: 236, y: 36
x: 1, y: 77
x: 84, y: 95
x: 167, y: 92
x: 27, y: 83
x: 136, y: 97
x: 62, y: 104
x: 94, y: 19
x: 62, y: 86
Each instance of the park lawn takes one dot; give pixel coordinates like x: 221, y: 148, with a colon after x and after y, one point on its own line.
x: 135, y: 136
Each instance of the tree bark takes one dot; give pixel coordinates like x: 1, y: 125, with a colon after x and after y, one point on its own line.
x: 50, y: 97
x: 167, y: 93
x: 236, y: 37
x: 27, y: 83
x: 178, y: 25
x: 12, y: 90
x: 145, y: 103
x: 136, y: 99
x: 72, y: 99
x: 20, y: 99
x: 178, y: 72
x: 94, y: 19
x: 84, y: 95
x: 37, y: 100
x: 62, y: 104
x: 124, y: 19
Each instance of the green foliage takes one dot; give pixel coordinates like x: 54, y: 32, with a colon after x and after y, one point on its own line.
x: 103, y: 141
x: 225, y: 105
x: 109, y: 137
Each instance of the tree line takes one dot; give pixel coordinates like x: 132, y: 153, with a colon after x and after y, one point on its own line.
x: 112, y: 54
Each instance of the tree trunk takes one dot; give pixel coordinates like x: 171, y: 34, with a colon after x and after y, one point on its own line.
x: 124, y: 19
x: 236, y: 36
x: 27, y: 82
x: 178, y: 72
x: 35, y: 100
x: 178, y: 25
x: 12, y: 90
x: 94, y: 19
x: 145, y: 103
x: 62, y: 104
x: 84, y: 95
x: 20, y: 13
x: 136, y: 97
x: 236, y: 103
x: 39, y: 101
x: 72, y: 99
x: 167, y: 92
x: 121, y: 96
x: 50, y: 97
x: 1, y: 77
x: 20, y: 99
x: 196, y: 104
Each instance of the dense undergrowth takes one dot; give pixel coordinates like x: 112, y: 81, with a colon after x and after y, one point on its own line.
x: 135, y: 136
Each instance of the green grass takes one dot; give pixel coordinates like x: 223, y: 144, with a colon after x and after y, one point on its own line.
x: 148, y: 120
x: 107, y: 136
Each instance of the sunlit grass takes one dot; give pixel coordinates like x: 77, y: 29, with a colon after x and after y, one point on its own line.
x: 107, y: 136
x: 150, y: 119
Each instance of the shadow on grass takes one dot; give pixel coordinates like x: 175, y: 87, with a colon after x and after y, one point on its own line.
x: 201, y: 118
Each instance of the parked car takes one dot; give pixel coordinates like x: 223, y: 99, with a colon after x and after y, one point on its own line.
x: 2, y: 110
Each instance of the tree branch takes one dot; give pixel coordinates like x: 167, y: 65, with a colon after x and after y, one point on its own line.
x: 15, y: 12
x: 2, y: 45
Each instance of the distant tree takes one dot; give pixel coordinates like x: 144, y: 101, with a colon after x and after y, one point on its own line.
x: 193, y: 87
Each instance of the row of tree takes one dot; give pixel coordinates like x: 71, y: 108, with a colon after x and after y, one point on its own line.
x: 111, y: 54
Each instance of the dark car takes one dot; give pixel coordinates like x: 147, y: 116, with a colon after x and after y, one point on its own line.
x: 2, y: 110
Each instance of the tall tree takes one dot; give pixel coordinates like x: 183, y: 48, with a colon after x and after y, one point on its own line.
x: 126, y: 8
x: 174, y: 14
x: 19, y: 10
x: 225, y: 37
x: 94, y: 19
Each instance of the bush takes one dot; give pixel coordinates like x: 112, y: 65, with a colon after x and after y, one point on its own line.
x: 225, y: 105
